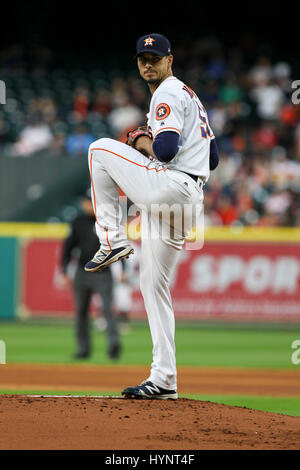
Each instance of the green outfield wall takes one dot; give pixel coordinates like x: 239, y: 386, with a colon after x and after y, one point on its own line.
x: 9, y: 268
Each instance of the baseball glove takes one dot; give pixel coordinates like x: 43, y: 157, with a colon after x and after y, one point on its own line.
x: 135, y: 134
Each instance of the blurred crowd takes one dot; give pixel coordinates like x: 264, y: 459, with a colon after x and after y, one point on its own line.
x: 247, y: 95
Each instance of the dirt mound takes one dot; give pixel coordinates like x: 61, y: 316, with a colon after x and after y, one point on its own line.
x: 42, y: 422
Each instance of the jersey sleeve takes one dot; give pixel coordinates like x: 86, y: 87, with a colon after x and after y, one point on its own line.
x: 213, y: 155
x: 168, y: 114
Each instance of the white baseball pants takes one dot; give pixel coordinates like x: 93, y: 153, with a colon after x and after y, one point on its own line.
x: 154, y: 189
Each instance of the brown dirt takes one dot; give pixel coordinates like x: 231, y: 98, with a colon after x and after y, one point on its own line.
x: 114, y: 377
x: 117, y: 423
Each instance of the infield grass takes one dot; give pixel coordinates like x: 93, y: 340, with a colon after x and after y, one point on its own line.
x: 197, y: 345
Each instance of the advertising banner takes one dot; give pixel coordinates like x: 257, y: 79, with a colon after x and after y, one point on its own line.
x: 251, y: 281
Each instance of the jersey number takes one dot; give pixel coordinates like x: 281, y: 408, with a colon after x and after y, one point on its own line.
x: 204, y: 127
x: 205, y: 131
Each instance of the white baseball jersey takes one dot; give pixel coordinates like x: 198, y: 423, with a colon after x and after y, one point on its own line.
x: 175, y: 107
x: 149, y: 183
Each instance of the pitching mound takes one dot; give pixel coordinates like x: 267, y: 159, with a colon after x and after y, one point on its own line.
x: 43, y: 422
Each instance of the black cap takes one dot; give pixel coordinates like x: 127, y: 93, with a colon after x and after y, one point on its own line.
x: 155, y: 43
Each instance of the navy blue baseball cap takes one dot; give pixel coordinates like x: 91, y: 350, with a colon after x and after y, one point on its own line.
x: 155, y: 43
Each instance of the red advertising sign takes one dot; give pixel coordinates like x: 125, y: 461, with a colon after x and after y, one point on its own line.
x: 41, y: 293
x: 245, y: 280
x: 225, y: 280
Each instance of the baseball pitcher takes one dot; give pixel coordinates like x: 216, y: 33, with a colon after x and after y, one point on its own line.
x: 162, y: 168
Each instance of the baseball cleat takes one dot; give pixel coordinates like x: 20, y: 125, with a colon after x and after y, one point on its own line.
x: 79, y: 355
x: 102, y: 258
x: 150, y: 391
x: 114, y: 351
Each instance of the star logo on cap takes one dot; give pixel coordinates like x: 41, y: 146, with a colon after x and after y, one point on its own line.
x: 149, y: 41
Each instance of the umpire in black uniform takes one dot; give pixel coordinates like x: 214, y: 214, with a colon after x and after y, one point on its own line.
x: 83, y: 237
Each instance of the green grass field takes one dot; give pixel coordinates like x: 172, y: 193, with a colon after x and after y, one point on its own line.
x: 197, y: 345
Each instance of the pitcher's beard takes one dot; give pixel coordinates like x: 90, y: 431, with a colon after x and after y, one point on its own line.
x: 154, y: 81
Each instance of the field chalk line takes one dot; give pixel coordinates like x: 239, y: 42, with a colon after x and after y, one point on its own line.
x: 74, y: 396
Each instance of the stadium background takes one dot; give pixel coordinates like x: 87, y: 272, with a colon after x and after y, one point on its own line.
x: 70, y: 78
